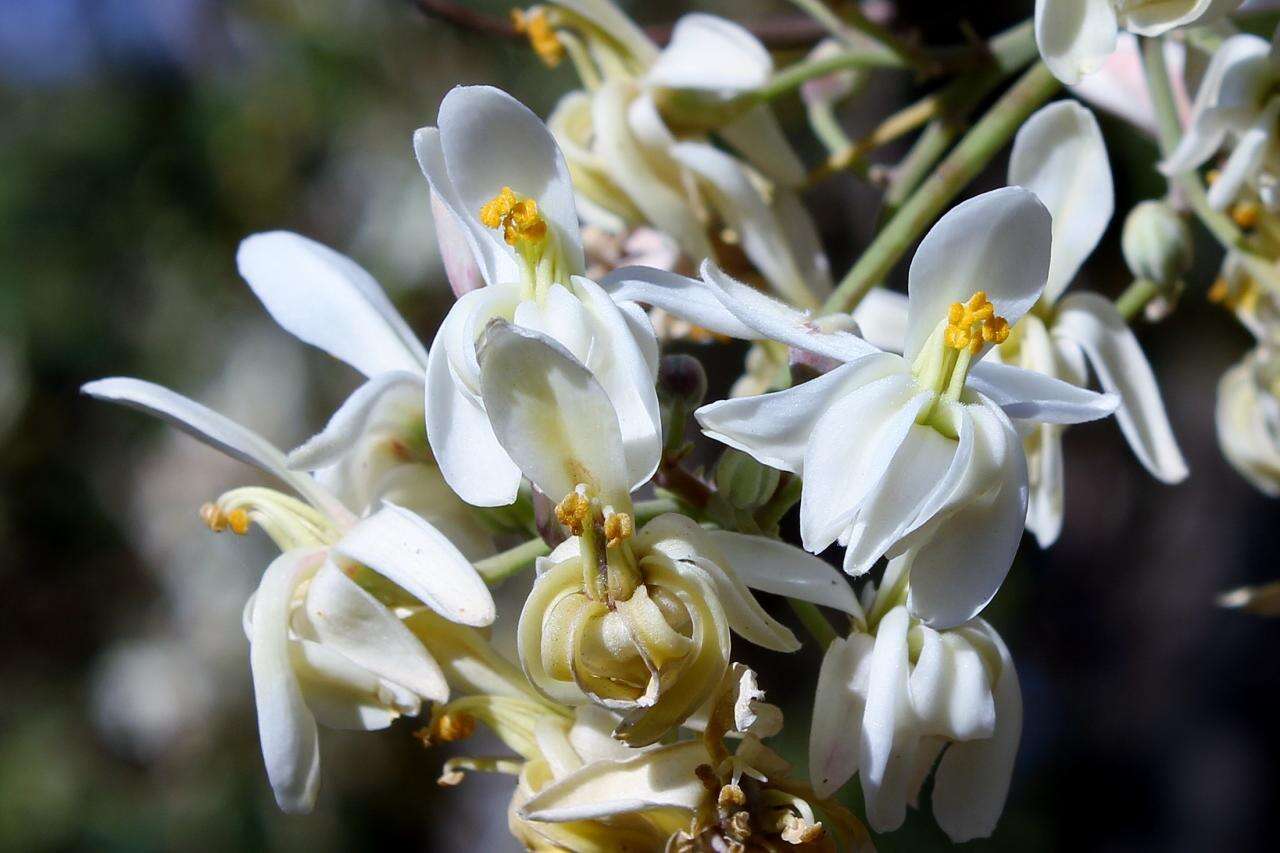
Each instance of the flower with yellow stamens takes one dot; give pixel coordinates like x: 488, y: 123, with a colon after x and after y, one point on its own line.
x: 535, y: 24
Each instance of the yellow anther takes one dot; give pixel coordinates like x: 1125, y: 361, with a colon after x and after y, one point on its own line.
x: 618, y: 527
x: 796, y: 831
x: 452, y: 726
x: 573, y: 512
x: 217, y: 520
x: 238, y: 521
x: 1244, y: 296
x: 1219, y: 291
x: 517, y: 217
x: 542, y: 37
x: 1245, y: 213
x: 974, y: 323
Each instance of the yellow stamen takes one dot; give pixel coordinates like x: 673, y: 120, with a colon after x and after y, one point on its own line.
x: 618, y: 527
x: 573, y: 512
x: 449, y: 727
x: 1219, y: 291
x: 217, y: 520
x: 517, y: 217
x: 542, y: 37
x: 972, y: 324
x: 1245, y: 213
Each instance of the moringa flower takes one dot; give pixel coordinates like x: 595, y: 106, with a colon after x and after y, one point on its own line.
x: 327, y: 640
x: 895, y: 694
x: 1076, y: 37
x: 1247, y: 417
x: 913, y: 453
x: 1236, y: 106
x: 637, y: 620
x: 497, y: 170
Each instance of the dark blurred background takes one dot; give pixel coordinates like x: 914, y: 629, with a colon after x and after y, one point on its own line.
x: 142, y: 139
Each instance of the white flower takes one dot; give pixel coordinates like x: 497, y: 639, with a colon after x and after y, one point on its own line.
x: 1076, y: 37
x: 892, y: 697
x: 1236, y: 106
x: 497, y: 170
x: 1120, y: 85
x: 323, y: 647
x: 1248, y: 419
x: 374, y: 448
x: 912, y: 453
x: 1060, y: 156
x: 635, y: 620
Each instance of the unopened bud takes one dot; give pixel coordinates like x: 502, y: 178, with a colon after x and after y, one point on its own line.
x: 743, y: 482
x: 681, y: 379
x: 1156, y: 243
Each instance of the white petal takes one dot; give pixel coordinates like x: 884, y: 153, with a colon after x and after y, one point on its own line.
x: 1060, y: 156
x: 713, y: 54
x: 1246, y: 158
x: 776, y: 428
x: 456, y: 250
x: 655, y: 779
x: 949, y: 689
x: 408, y: 551
x: 1075, y: 37
x: 776, y: 567
x: 1153, y: 19
x: 882, y: 317
x: 850, y: 450
x: 955, y: 572
x: 351, y: 419
x: 592, y: 735
x: 838, y: 703
x: 998, y: 242
x: 215, y: 430
x: 290, y: 742
x: 1113, y: 350
x: 1030, y: 396
x: 340, y: 694
x: 616, y: 25
x: 491, y: 140
x: 972, y: 781
x: 329, y: 301
x: 552, y: 416
x: 746, y: 617
x: 1045, y: 499
x: 687, y: 298
x: 886, y: 735
x: 759, y: 139
x: 354, y: 623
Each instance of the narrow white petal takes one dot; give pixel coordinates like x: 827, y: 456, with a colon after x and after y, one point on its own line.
x: 838, y: 703
x: 329, y: 301
x: 408, y: 551
x: 1075, y: 37
x: 746, y: 617
x: 351, y: 419
x: 1060, y: 156
x: 1045, y: 500
x: 757, y: 136
x: 457, y: 253
x: 712, y: 54
x: 1116, y: 356
x: 775, y: 428
x: 1247, y: 157
x: 351, y: 621
x: 1030, y: 396
x: 998, y: 242
x: 887, y: 738
x: 776, y: 567
x: 687, y: 298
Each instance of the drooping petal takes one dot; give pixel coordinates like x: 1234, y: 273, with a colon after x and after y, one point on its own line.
x: 1030, y: 396
x: 290, y: 742
x: 775, y: 428
x: 349, y: 620
x: 949, y: 690
x: 972, y: 781
x: 838, y: 703
x: 661, y: 778
x: 1116, y: 356
x: 1060, y: 156
x: 491, y: 140
x: 408, y: 551
x: 552, y: 416
x: 1075, y: 37
x: 776, y: 567
x: 746, y: 617
x: 215, y: 430
x: 340, y: 694
x: 711, y: 54
x: 329, y: 301
x: 998, y: 242
x: 882, y: 318
x: 351, y: 419
x: 887, y: 738
x: 1047, y: 484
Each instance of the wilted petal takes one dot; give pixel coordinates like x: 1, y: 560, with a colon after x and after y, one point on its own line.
x: 834, y: 739
x: 1075, y: 37
x: 746, y: 617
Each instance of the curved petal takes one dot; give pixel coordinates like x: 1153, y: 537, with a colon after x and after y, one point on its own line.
x: 552, y: 416
x: 408, y: 551
x: 614, y: 23
x: 290, y: 742
x: 949, y: 690
x: 1116, y: 356
x: 882, y: 318
x: 972, y: 782
x: 888, y: 742
x: 456, y: 250
x: 998, y: 242
x: 1030, y: 396
x: 746, y: 617
x: 776, y: 567
x: 1153, y: 19
x: 1244, y: 426
x: 1059, y: 155
x: 351, y: 419
x: 329, y: 301
x: 711, y: 54
x: 340, y: 694
x: 775, y: 428
x: 491, y: 140
x: 838, y: 703
x: 1045, y: 500
x: 1247, y: 157
x: 757, y: 136
x: 1075, y: 37
x: 687, y: 298
x: 352, y: 622
x: 215, y: 430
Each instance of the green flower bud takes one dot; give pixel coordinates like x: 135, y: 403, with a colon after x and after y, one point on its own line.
x: 1156, y: 243
x: 744, y: 483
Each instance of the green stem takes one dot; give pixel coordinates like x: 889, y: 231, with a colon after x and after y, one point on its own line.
x: 793, y: 76
x: 973, y: 153
x: 512, y: 561
x: 1135, y: 297
x: 814, y: 622
x: 646, y: 511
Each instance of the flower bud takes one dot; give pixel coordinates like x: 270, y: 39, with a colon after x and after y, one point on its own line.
x: 1156, y: 243
x: 743, y: 482
x: 682, y: 384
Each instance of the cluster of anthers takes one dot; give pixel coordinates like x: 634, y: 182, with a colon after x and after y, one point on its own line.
x: 542, y: 36
x: 217, y: 520
x: 974, y: 323
x: 517, y: 217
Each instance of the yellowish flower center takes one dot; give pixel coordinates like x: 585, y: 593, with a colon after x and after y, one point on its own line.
x: 974, y: 323
x: 943, y: 363
x: 542, y: 37
x: 517, y: 216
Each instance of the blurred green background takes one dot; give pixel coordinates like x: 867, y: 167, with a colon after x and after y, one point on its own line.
x: 142, y: 139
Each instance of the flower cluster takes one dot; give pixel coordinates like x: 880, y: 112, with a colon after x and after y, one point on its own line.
x: 920, y: 434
